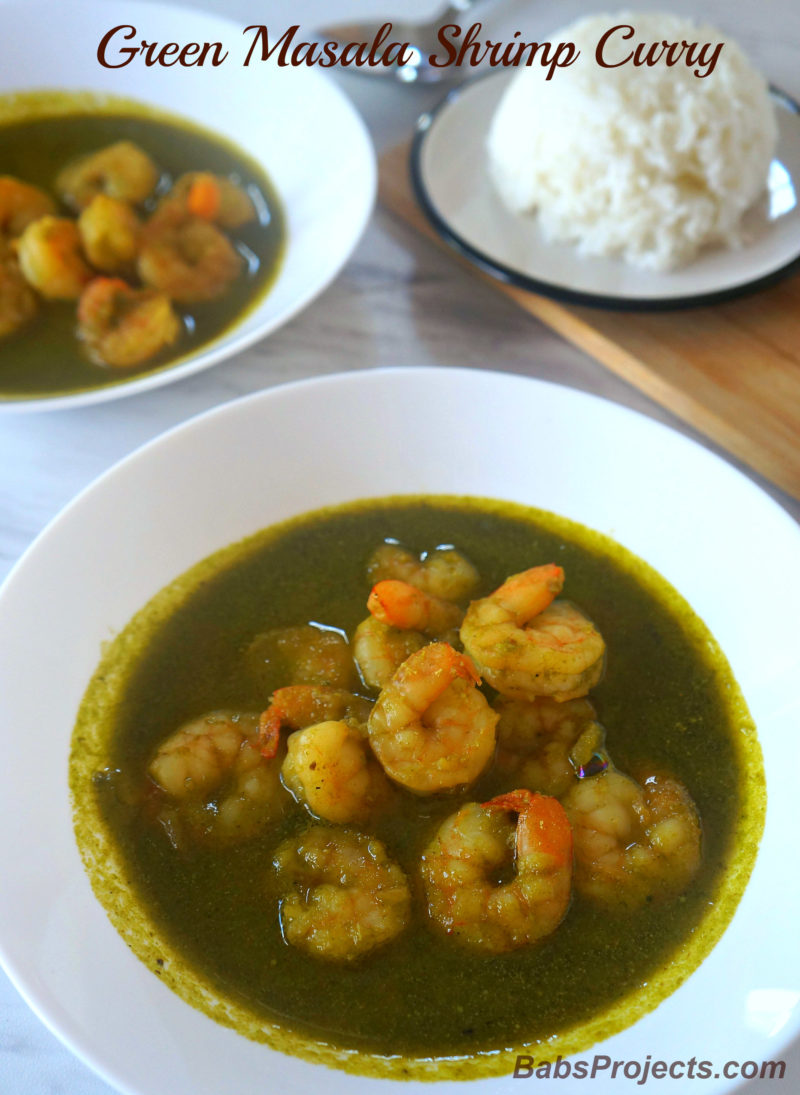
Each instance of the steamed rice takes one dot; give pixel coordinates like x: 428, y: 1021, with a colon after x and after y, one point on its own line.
x: 650, y: 164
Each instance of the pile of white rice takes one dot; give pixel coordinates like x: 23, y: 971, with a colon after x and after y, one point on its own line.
x: 650, y: 164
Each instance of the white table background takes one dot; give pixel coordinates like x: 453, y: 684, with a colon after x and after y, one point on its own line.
x: 399, y: 301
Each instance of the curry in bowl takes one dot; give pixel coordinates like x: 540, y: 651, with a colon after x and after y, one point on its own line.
x: 129, y: 239
x: 413, y: 785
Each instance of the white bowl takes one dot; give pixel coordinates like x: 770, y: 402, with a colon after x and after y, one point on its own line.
x: 293, y: 121
x: 730, y: 550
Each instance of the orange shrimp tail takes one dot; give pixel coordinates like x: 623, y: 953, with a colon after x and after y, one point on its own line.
x: 516, y: 802
x: 97, y: 296
x: 431, y: 670
x: 398, y: 604
x: 443, y: 660
x: 550, y: 575
x: 204, y: 197
x: 464, y: 666
x: 543, y: 824
x: 531, y: 591
x: 547, y: 829
x: 293, y: 706
x: 269, y: 731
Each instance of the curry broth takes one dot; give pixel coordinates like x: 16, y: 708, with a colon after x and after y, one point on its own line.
x: 667, y: 700
x: 40, y: 136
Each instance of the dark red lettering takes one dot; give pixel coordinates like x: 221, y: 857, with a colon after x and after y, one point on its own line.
x: 282, y: 46
x: 105, y: 42
x: 601, y: 45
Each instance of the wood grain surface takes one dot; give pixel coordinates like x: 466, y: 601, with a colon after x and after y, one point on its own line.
x: 731, y: 370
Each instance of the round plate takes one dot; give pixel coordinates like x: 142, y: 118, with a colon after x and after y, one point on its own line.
x: 727, y: 547
x: 293, y: 121
x: 452, y: 184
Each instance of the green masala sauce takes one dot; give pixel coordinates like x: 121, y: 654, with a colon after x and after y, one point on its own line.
x: 208, y: 924
x: 41, y: 132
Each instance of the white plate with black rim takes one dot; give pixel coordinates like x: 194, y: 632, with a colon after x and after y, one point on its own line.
x: 452, y: 185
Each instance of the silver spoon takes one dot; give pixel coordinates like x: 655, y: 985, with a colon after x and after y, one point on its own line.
x: 422, y: 38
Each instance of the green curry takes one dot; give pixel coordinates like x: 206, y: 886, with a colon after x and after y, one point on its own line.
x: 421, y: 1007
x: 39, y: 134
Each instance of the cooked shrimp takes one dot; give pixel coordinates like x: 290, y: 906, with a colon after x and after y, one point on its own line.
x: 526, y: 646
x: 478, y: 845
x: 409, y: 605
x: 544, y: 745
x: 215, y: 787
x: 187, y: 258
x: 443, y: 572
x: 431, y: 728
x: 330, y: 767
x: 300, y: 705
x: 306, y: 654
x: 214, y: 198
x: 121, y: 326
x: 402, y: 605
x: 342, y: 895
x: 110, y: 231
x: 380, y: 650
x: 20, y: 205
x: 17, y: 300
x: 404, y: 618
x: 633, y: 843
x: 50, y: 257
x: 121, y: 170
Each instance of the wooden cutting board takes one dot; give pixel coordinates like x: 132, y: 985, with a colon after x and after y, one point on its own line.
x: 731, y: 370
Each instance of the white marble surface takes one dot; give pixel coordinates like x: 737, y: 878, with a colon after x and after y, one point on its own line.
x: 398, y: 301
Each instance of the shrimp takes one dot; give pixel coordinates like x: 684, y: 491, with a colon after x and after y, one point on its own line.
x: 121, y: 170
x: 330, y: 767
x: 49, y: 253
x: 110, y: 231
x: 214, y: 198
x: 300, y: 705
x: 121, y: 326
x: 380, y: 650
x: 634, y: 843
x: 213, y: 786
x: 545, y: 745
x: 443, y: 572
x: 187, y: 258
x: 306, y: 654
x: 431, y: 728
x: 409, y: 604
x: 402, y: 605
x: 18, y: 302
x: 526, y: 646
x: 478, y: 845
x: 20, y: 205
x: 402, y: 619
x: 342, y: 895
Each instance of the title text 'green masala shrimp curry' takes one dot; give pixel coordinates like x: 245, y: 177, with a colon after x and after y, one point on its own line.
x: 410, y: 786
x: 128, y: 240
